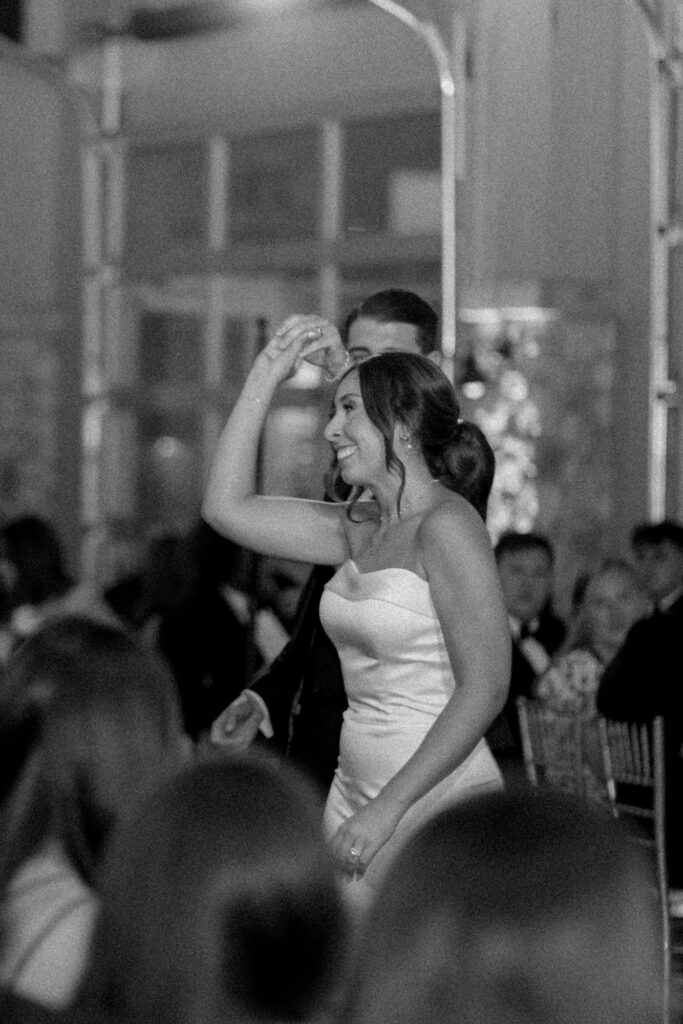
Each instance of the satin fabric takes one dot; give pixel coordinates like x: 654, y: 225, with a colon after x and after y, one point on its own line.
x: 398, y: 679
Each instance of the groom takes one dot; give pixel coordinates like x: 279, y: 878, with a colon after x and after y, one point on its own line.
x: 299, y: 701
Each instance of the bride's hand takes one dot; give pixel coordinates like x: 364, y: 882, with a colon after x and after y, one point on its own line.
x: 310, y: 337
x: 361, y: 836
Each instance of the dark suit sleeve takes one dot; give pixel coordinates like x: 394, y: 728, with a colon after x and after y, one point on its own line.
x: 633, y: 685
x: 206, y: 648
x: 279, y: 684
x: 503, y: 735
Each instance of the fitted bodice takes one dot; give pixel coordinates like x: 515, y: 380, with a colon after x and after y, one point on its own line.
x: 397, y: 673
x: 390, y: 644
x: 398, y: 680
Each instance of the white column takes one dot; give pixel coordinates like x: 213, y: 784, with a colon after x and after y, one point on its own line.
x: 332, y: 159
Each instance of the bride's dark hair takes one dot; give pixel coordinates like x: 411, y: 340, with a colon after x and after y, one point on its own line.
x: 406, y: 388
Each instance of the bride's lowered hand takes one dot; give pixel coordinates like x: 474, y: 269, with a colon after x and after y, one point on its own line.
x: 361, y: 836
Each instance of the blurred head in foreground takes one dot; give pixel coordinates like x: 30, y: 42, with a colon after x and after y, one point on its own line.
x: 511, y: 909
x: 219, y: 902
x: 89, y: 720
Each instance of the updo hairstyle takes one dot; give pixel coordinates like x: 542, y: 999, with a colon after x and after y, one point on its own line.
x: 406, y: 388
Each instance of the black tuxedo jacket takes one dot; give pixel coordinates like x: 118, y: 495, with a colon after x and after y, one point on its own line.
x: 503, y: 735
x: 303, y: 689
x: 643, y: 680
x: 207, y: 650
x: 645, y: 677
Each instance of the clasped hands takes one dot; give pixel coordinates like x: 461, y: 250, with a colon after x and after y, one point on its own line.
x: 306, y: 336
x: 237, y: 726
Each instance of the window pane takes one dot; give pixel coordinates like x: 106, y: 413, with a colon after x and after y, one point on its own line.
x: 170, y: 468
x: 391, y: 173
x: 166, y: 202
x: 274, y: 186
x: 171, y: 349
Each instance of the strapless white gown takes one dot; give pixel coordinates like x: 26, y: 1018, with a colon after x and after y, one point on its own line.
x: 398, y: 679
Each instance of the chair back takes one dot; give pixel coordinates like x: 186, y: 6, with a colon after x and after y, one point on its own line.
x: 552, y: 744
x: 633, y: 762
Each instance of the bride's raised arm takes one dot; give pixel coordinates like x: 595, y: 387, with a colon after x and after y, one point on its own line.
x: 309, y: 531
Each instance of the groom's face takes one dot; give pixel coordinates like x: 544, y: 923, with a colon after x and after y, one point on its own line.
x: 369, y: 337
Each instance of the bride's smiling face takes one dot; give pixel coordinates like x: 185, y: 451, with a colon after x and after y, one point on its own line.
x: 357, y: 443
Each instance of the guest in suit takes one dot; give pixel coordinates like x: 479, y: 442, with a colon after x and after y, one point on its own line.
x: 643, y: 679
x: 211, y: 635
x: 525, y: 564
x: 658, y: 552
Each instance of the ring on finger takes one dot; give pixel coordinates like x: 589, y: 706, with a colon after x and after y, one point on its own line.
x: 353, y: 852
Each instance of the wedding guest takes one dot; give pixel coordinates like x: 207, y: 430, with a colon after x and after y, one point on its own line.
x: 658, y: 552
x: 643, y: 679
x: 612, y: 602
x: 140, y: 598
x: 88, y: 720
x: 219, y: 903
x: 415, y: 609
x: 515, y: 907
x: 525, y: 565
x: 37, y: 582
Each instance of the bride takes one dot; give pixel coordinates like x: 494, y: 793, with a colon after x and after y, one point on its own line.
x: 415, y: 609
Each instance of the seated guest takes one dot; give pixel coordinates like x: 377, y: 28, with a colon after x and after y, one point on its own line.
x: 643, y: 679
x: 612, y: 602
x: 658, y: 551
x: 37, y: 584
x: 88, y: 719
x: 515, y: 908
x: 525, y: 565
x: 140, y: 598
x: 219, y: 902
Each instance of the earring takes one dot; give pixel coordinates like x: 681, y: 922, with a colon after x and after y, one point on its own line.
x: 408, y: 441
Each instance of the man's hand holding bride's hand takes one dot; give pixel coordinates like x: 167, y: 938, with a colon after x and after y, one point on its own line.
x: 305, y: 336
x: 356, y: 842
x: 237, y: 725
